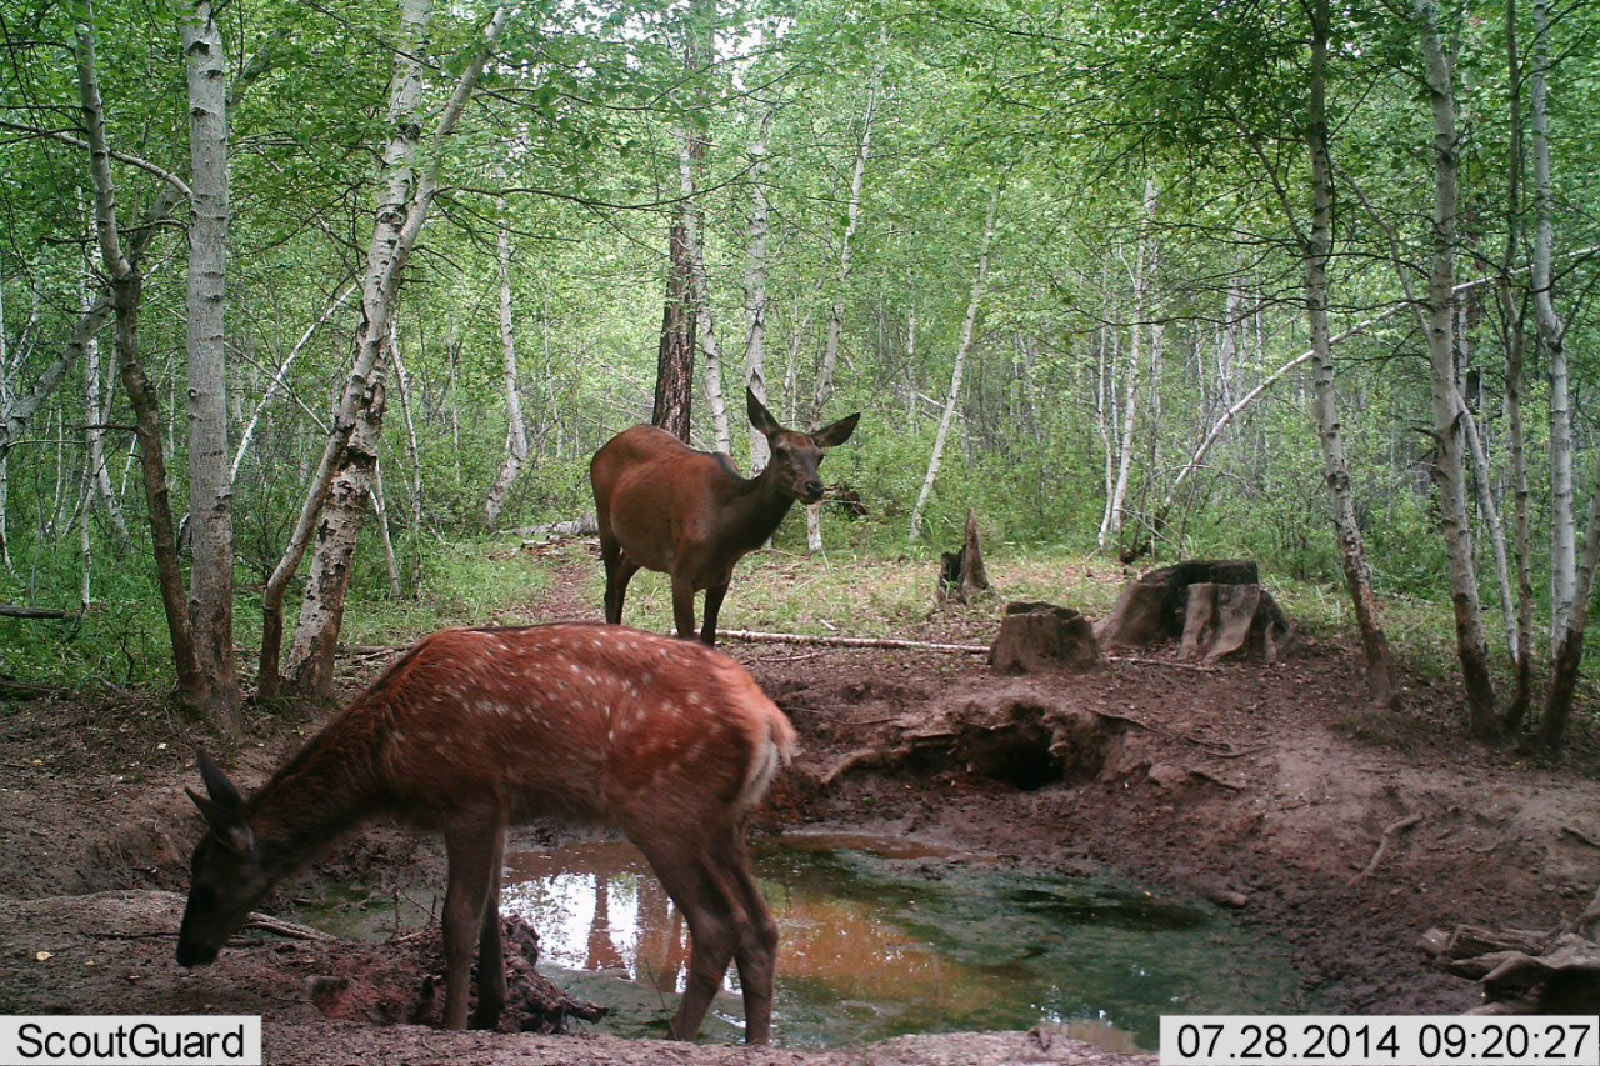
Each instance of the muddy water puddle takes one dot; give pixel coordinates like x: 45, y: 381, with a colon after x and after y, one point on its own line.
x: 880, y: 937
x: 883, y: 937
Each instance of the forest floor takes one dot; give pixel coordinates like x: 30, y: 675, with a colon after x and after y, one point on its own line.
x: 1264, y: 788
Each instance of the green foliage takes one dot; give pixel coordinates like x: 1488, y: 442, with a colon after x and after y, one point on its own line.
x: 572, y: 149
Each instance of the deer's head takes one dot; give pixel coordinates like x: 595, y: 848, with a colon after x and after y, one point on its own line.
x: 796, y: 455
x: 226, y: 877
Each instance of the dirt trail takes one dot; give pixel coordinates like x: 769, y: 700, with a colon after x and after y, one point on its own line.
x: 1264, y: 788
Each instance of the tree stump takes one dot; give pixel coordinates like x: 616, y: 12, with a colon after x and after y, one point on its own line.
x: 961, y: 574
x: 1041, y: 636
x: 1233, y: 620
x: 1522, y: 971
x: 1153, y: 605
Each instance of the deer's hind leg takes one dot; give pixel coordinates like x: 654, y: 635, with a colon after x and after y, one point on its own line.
x: 491, y: 952
x: 756, y: 950
x: 619, y: 571
x: 712, y: 925
x: 472, y: 844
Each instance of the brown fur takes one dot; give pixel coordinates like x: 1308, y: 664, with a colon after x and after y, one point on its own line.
x: 477, y: 729
x: 661, y: 505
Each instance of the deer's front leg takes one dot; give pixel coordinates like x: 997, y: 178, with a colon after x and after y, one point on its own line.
x: 471, y: 847
x: 683, y: 605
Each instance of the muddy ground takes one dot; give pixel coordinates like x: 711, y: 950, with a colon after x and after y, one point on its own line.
x: 1265, y: 789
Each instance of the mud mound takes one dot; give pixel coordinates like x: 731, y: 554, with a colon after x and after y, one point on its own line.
x: 402, y: 982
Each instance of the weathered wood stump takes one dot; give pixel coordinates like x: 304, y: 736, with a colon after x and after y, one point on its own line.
x: 961, y: 574
x: 1233, y: 620
x: 1523, y: 971
x: 1036, y: 637
x: 1153, y: 606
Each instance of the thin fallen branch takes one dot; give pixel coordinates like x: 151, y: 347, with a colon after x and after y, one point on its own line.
x: 292, y: 930
x: 1383, y: 845
x: 1197, y: 667
x: 852, y: 761
x: 755, y: 637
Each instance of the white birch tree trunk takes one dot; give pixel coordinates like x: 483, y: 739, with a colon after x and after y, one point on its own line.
x: 517, y: 436
x: 1514, y: 343
x: 1117, y: 512
x: 402, y: 378
x: 1569, y: 652
x: 210, y: 488
x: 403, y: 204
x: 94, y: 435
x: 968, y: 325
x: 755, y: 290
x: 1563, y: 531
x: 1105, y: 418
x: 380, y: 511
x: 830, y: 352
x: 327, y: 586
x: 1381, y: 686
x: 1471, y: 645
x: 700, y: 288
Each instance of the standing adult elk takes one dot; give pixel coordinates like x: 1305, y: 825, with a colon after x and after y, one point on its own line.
x: 473, y: 730
x: 661, y: 505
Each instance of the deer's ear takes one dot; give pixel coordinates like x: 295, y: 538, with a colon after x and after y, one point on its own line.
x: 226, y: 824
x: 835, y: 434
x: 218, y: 787
x: 760, y: 417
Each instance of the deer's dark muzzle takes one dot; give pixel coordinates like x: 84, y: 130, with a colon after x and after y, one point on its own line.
x: 811, y: 492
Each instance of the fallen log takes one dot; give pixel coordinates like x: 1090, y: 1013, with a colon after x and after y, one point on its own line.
x: 758, y: 637
x: 8, y: 610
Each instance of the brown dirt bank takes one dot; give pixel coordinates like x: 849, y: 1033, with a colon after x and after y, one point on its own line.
x: 1264, y: 788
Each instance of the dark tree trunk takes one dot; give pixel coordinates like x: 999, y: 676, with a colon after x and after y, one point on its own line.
x: 675, y: 363
x: 193, y: 688
x: 962, y: 574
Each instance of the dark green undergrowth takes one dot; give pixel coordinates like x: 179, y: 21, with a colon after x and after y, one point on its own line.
x: 868, y: 582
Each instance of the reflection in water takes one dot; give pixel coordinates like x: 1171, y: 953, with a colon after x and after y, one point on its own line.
x: 896, y: 939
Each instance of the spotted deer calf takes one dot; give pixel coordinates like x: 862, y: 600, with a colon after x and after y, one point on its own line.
x: 473, y: 730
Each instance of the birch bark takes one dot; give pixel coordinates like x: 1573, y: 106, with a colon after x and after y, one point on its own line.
x: 402, y: 378
x: 1514, y: 343
x: 755, y: 289
x: 968, y: 325
x: 691, y: 151
x: 210, y: 487
x: 830, y: 352
x: 1381, y: 687
x: 1552, y: 332
x: 95, y: 435
x: 1471, y: 645
x: 1116, y: 512
x: 517, y: 434
x: 404, y: 199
